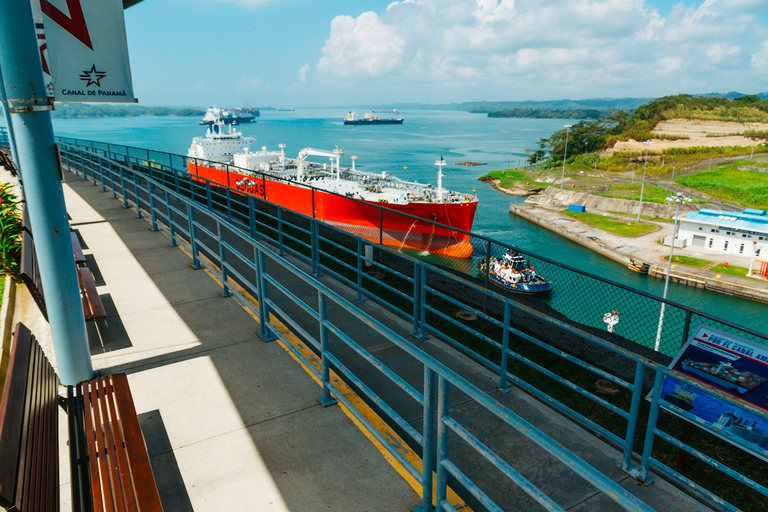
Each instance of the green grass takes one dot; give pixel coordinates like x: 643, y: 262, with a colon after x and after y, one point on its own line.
x: 647, y: 217
x: 689, y: 261
x: 651, y: 193
x: 730, y: 270
x: 728, y: 182
x: 508, y: 177
x: 617, y: 226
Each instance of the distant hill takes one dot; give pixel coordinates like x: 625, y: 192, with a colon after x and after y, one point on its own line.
x: 78, y: 110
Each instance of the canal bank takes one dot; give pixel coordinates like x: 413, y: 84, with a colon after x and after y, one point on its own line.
x: 545, y: 212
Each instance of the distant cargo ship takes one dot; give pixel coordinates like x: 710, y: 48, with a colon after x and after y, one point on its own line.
x: 724, y: 374
x: 230, y: 116
x: 369, y: 118
x: 682, y: 398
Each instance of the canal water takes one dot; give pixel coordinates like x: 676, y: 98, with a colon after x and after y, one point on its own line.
x: 409, y: 151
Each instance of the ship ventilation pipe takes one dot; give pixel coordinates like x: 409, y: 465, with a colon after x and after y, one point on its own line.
x: 353, y: 158
x: 440, y: 164
x: 282, y: 154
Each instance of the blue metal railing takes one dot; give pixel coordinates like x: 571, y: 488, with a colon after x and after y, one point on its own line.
x: 187, y: 211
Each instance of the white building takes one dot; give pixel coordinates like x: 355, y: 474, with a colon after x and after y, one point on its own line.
x: 742, y: 233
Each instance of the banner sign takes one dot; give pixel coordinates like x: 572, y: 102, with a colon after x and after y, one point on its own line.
x: 730, y: 364
x: 87, y: 51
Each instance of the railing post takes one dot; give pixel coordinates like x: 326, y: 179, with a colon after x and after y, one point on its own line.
x: 122, y: 188
x: 488, y: 266
x: 280, y: 229
x: 634, y: 411
x: 686, y: 327
x: 252, y: 218
x: 381, y: 226
x: 505, y: 348
x: 261, y: 292
x: 441, y: 482
x: 423, y: 303
x: 193, y: 237
x: 326, y: 399
x: 208, y: 198
x: 223, y: 261
x: 171, y: 229
x: 229, y: 205
x: 313, y: 247
x: 359, y: 270
x: 136, y: 192
x: 428, y: 432
x: 112, y: 180
x: 416, y: 296
x: 101, y: 173
x: 653, y: 417
x: 152, y: 209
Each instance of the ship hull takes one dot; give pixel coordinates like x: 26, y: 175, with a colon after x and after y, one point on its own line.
x: 362, y: 218
x: 356, y: 122
x: 714, y: 378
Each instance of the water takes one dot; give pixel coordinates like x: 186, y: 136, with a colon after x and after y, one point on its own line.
x: 409, y: 152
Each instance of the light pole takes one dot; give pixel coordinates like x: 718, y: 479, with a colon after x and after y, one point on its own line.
x: 647, y: 144
x: 678, y: 199
x: 565, y: 153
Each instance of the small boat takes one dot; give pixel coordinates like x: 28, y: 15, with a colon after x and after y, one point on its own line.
x: 682, y: 398
x: 236, y: 116
x: 512, y: 273
x: 370, y: 118
x: 642, y: 268
x: 742, y: 428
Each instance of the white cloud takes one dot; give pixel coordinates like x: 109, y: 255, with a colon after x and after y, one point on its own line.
x: 248, y: 84
x: 759, y: 59
x: 303, y: 72
x: 551, y: 48
x: 360, y: 46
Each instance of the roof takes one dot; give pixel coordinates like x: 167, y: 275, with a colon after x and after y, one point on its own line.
x: 749, y: 219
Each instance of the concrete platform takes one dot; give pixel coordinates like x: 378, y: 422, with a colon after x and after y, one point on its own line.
x: 231, y: 422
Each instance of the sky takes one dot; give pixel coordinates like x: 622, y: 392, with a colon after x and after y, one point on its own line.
x: 302, y: 53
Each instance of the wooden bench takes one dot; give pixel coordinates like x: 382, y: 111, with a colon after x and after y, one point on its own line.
x: 93, y: 308
x: 109, y: 465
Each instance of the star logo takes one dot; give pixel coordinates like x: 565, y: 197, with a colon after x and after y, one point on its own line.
x: 92, y: 76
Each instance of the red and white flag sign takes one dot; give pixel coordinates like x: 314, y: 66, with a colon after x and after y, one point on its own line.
x: 83, y: 50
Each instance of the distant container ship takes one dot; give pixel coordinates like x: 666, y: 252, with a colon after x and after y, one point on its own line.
x: 346, y: 198
x: 370, y: 118
x: 230, y: 116
x: 724, y: 374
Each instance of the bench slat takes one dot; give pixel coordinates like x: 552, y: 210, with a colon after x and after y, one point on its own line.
x: 110, y: 453
x: 92, y: 304
x: 10, y: 421
x: 125, y: 483
x: 136, y: 450
x: 77, y: 250
x: 91, y: 444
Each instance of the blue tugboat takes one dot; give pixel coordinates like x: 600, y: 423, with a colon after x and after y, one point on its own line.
x: 512, y: 273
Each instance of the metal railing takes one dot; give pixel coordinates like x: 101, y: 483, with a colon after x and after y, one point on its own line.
x: 238, y: 236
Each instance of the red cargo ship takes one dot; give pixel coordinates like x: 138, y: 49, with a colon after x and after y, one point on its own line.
x: 346, y: 198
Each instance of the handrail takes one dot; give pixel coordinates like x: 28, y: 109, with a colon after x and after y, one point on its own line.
x: 153, y: 198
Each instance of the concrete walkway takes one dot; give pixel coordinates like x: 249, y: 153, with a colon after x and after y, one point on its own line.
x: 231, y: 423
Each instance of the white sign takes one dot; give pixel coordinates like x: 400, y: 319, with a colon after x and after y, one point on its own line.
x: 87, y: 52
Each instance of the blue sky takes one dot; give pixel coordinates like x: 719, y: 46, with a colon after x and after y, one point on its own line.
x: 295, y: 53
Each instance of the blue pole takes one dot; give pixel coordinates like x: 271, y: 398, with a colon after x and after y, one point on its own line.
x: 6, y: 112
x: 36, y: 150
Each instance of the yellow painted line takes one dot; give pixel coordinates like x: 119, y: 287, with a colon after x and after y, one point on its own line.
x: 374, y: 419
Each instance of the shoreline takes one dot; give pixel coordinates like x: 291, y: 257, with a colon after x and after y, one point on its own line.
x: 624, y: 249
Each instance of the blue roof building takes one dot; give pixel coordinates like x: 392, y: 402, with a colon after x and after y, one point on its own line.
x: 744, y: 233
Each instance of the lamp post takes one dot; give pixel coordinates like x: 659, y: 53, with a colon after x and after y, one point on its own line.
x: 678, y: 199
x: 565, y: 153
x: 647, y: 144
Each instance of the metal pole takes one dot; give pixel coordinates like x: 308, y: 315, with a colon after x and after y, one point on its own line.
x: 678, y: 199
x: 642, y: 187
x: 565, y: 153
x: 29, y: 110
x: 7, y: 113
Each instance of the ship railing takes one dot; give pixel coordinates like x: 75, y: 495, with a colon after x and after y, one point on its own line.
x: 517, y: 338
x: 240, y: 261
